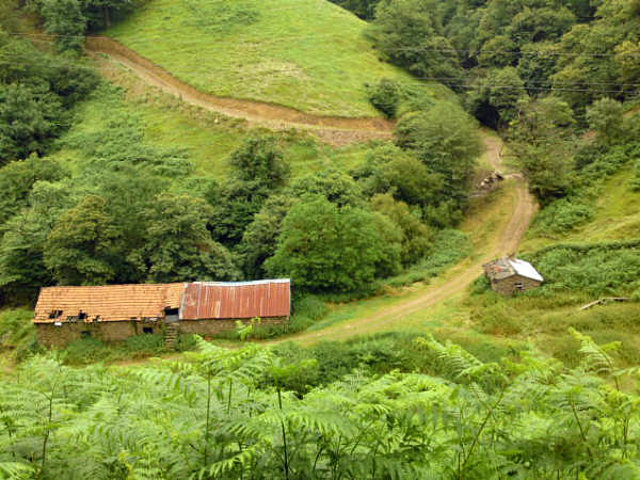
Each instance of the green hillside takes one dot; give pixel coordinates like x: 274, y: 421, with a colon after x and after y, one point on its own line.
x: 307, y: 54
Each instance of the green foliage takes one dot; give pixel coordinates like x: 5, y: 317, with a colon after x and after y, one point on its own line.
x: 563, y: 216
x: 410, y: 34
x: 416, y: 236
x: 385, y: 96
x: 17, y: 333
x: 18, y: 178
x: 260, y: 160
x: 178, y: 245
x: 258, y: 171
x: 333, y: 410
x: 36, y: 91
x: 80, y: 248
x: 447, y: 142
x: 600, y: 269
x: 364, y: 9
x: 259, y: 240
x: 66, y: 20
x: 325, y: 248
x: 334, y: 184
x: 605, y: 118
x: 388, y: 169
x: 495, y: 97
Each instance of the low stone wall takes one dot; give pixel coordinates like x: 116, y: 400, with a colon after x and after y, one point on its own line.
x: 509, y: 285
x: 50, y: 335
x: 209, y: 328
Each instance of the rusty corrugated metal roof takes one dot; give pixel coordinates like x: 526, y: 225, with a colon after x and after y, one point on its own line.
x: 210, y: 300
x: 107, y: 303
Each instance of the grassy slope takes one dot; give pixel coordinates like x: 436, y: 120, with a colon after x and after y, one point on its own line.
x: 208, y: 138
x: 306, y: 54
x: 617, y: 217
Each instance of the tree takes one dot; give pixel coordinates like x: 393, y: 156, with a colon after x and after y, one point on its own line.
x: 80, y: 248
x: 178, y: 246
x: 605, y: 117
x: 22, y: 266
x: 29, y: 120
x: 260, y: 160
x: 538, y: 63
x: 258, y: 171
x: 66, y: 20
x: 544, y: 117
x: 385, y: 96
x: 17, y: 179
x: 446, y: 141
x: 539, y: 24
x: 325, y: 248
x: 259, y: 240
x: 101, y: 13
x: 416, y: 236
x: 499, y: 51
x: 410, y: 35
x: 495, y: 98
x: 334, y: 184
x: 548, y: 166
x: 389, y: 169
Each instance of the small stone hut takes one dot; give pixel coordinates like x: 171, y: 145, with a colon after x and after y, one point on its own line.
x: 116, y: 312
x: 511, y: 275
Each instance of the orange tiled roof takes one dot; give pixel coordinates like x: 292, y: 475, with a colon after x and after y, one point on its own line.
x: 107, y: 303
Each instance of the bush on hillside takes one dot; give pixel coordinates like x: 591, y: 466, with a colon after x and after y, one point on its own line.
x: 563, y: 215
x: 17, y: 333
x: 385, y: 96
x: 599, y: 269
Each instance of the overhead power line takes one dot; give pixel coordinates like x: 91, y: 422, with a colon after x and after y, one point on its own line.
x: 635, y: 52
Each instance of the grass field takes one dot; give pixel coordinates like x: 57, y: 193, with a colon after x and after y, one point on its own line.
x: 307, y: 54
x: 207, y: 138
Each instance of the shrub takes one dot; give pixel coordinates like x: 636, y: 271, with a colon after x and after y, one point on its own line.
x: 85, y: 351
x: 17, y: 332
x: 143, y: 345
x: 600, y: 268
x: 563, y: 216
x: 385, y: 96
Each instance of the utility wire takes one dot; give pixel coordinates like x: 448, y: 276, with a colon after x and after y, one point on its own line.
x: 398, y: 49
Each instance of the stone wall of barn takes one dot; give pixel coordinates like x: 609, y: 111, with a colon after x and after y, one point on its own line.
x: 50, y: 335
x: 511, y: 285
x: 209, y: 328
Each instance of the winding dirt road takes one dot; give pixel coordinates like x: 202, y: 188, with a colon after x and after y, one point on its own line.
x: 334, y: 130
x: 505, y: 241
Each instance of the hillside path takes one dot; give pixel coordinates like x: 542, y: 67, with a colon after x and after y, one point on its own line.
x: 334, y: 130
x: 505, y: 241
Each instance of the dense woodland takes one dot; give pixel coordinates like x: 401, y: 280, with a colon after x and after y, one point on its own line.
x: 557, y: 79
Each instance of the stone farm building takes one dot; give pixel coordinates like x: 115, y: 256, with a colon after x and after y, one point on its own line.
x: 116, y: 312
x: 512, y: 275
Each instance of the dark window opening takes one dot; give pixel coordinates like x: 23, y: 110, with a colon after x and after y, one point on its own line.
x: 519, y: 286
x: 147, y: 330
x: 171, y: 315
x: 55, y: 314
x: 85, y: 334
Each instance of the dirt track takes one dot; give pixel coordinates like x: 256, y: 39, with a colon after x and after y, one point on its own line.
x: 506, y: 241
x: 338, y: 130
x: 334, y: 130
